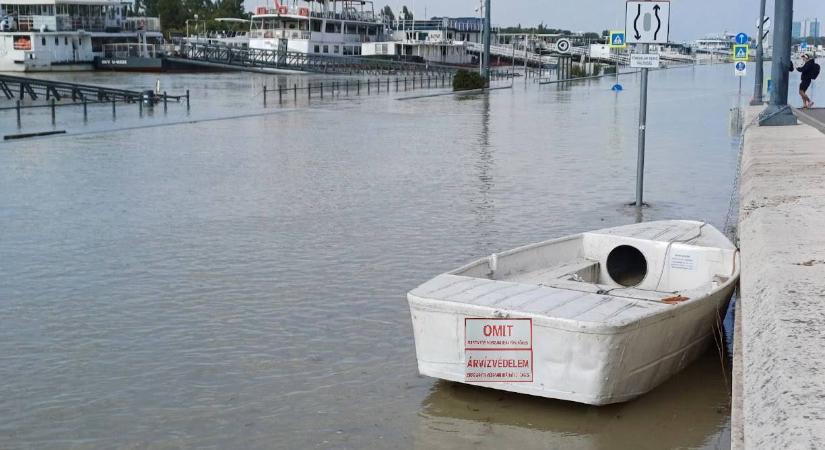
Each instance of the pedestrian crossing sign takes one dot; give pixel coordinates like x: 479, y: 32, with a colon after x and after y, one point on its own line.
x: 741, y: 52
x: 617, y: 39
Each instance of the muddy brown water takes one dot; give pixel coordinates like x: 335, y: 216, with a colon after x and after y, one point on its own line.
x: 234, y: 277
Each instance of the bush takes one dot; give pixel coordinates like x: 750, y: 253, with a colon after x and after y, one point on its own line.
x: 577, y: 71
x: 465, y: 80
x: 609, y: 70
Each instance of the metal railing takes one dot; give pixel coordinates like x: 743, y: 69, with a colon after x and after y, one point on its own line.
x: 142, y: 24
x: 133, y: 50
x: 62, y: 22
x: 304, y: 11
x: 280, y: 34
x: 305, y: 62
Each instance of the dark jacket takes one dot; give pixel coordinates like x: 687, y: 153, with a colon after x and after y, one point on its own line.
x: 807, y: 70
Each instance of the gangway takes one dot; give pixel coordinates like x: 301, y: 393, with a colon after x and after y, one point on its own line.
x: 13, y: 86
x: 507, y: 51
x: 257, y: 60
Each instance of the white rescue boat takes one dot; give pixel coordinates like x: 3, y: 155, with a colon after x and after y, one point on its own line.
x: 599, y: 317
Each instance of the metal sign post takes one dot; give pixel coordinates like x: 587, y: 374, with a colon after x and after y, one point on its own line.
x: 488, y: 30
x: 640, y: 163
x: 760, y: 57
x: 646, y: 22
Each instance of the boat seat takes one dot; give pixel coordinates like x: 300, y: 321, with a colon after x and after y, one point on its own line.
x: 586, y: 269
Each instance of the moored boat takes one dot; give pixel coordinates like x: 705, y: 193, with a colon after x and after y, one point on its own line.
x: 598, y: 317
x: 67, y: 35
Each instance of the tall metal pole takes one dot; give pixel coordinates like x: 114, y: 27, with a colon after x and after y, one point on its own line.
x: 525, y: 58
x: 488, y: 31
x: 480, y: 54
x: 778, y: 113
x: 759, y: 73
x: 640, y: 163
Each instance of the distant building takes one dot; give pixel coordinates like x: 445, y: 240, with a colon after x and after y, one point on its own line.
x: 807, y: 28
x: 796, y: 30
x: 814, y: 32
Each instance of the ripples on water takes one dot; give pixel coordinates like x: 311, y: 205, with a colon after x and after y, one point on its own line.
x: 240, y: 283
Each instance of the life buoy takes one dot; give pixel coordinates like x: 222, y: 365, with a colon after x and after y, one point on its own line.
x: 283, y: 9
x: 268, y: 35
x: 303, y: 12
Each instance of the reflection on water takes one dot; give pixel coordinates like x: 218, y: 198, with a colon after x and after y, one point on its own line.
x: 484, y: 204
x: 688, y: 411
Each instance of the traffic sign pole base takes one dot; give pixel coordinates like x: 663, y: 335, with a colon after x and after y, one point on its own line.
x: 777, y: 116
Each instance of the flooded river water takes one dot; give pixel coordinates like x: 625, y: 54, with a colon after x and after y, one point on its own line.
x: 235, y: 277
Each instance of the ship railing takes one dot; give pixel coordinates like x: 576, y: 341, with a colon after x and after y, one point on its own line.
x: 142, y: 24
x: 280, y: 34
x: 75, y: 23
x: 355, y: 16
x: 37, y: 23
x: 132, y: 50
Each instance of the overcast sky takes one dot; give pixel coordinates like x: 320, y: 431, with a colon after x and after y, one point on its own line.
x: 690, y: 19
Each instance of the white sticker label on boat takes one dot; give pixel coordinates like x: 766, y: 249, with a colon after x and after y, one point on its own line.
x: 498, y: 350
x: 489, y: 366
x: 498, y: 334
x: 683, y: 262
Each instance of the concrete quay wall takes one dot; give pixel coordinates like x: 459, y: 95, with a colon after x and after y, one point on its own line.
x: 779, y: 362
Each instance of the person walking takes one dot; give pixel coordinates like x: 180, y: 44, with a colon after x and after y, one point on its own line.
x: 810, y: 71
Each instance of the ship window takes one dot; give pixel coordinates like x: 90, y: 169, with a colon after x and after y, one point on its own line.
x: 56, y: 41
x: 326, y: 49
x: 65, y: 40
x: 335, y: 49
x: 43, y: 41
x: 316, y: 25
x: 317, y: 49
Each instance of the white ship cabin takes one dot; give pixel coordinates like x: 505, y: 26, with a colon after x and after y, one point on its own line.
x: 64, y: 35
x: 441, y: 40
x: 330, y: 27
x: 715, y: 44
x: 234, y: 35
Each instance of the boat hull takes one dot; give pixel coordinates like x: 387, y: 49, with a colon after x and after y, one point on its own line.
x: 592, y: 366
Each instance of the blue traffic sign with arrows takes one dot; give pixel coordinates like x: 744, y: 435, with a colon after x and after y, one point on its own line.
x: 741, y: 38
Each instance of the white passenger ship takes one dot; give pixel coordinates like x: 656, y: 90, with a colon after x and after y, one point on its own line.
x: 65, y: 35
x: 331, y: 27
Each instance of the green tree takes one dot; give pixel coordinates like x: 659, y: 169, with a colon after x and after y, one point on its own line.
x: 388, y: 14
x: 229, y: 8
x: 406, y: 14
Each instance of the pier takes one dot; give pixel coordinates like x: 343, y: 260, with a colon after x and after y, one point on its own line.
x: 778, y: 387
